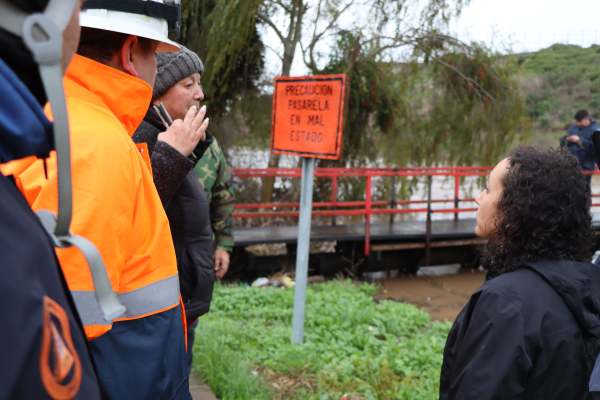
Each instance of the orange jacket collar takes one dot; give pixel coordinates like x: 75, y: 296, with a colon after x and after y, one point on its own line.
x: 127, y: 97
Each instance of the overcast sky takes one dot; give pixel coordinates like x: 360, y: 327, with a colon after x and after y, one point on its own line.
x: 532, y: 21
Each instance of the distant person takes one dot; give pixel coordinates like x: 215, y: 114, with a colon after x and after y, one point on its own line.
x: 532, y: 331
x: 579, y: 141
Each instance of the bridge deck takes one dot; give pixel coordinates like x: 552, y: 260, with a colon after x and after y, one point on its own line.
x: 399, y: 231
x: 406, y: 230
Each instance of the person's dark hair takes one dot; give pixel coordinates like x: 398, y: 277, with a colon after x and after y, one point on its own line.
x: 581, y: 114
x: 543, y: 211
x: 102, y: 46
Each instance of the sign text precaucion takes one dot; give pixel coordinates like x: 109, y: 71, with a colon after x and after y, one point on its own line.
x: 307, y: 116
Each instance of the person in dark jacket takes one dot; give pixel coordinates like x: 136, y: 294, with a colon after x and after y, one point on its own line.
x: 180, y: 191
x: 43, y: 350
x: 532, y: 331
x: 579, y: 141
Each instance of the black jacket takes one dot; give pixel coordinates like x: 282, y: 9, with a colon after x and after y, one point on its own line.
x: 585, y: 154
x: 35, y: 299
x: 43, y: 350
x: 187, y: 209
x: 533, y: 333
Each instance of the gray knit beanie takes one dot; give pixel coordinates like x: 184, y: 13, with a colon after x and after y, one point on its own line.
x: 173, y: 67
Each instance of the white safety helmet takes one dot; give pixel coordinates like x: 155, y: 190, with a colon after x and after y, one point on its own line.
x: 153, y: 19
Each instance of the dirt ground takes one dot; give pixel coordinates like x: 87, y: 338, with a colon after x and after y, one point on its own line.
x: 441, y: 296
x: 200, y: 390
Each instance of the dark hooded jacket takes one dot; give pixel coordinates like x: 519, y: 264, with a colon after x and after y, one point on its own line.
x: 595, y: 378
x: 43, y: 350
x: 533, y: 333
x: 596, y: 143
x: 584, y: 149
x: 187, y: 209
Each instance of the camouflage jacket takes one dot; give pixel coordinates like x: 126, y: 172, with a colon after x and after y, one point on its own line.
x: 217, y: 180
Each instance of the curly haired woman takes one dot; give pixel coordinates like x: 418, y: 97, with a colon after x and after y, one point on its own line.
x: 532, y: 331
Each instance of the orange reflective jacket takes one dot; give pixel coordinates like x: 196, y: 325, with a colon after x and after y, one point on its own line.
x: 115, y: 203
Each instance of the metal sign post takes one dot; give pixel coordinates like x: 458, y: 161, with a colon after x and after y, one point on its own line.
x: 302, y: 251
x: 307, y: 121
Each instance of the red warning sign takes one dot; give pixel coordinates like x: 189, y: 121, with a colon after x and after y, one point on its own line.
x: 307, y: 116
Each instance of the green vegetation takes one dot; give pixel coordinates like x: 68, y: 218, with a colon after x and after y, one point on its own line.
x: 438, y: 101
x: 225, y: 36
x: 557, y: 82
x: 352, y: 344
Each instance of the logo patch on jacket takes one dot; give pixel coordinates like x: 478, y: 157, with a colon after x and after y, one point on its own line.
x: 60, y: 367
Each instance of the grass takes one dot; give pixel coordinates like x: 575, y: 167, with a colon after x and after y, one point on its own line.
x: 565, y: 64
x: 229, y: 375
x: 352, y: 345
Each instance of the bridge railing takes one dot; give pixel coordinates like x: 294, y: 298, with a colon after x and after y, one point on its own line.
x: 368, y: 206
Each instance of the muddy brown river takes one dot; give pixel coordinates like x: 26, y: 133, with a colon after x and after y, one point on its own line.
x: 441, y: 296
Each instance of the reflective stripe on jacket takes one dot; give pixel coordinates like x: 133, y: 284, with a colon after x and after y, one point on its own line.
x: 115, y: 203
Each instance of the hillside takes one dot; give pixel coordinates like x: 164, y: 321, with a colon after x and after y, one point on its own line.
x: 557, y: 82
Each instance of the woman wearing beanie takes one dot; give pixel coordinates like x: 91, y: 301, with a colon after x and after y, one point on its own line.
x: 177, y: 88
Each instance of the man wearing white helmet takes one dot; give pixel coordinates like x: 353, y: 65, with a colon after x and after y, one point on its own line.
x: 142, y: 353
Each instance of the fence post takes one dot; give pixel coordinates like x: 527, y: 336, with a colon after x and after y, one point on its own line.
x: 306, y: 195
x: 456, y: 193
x: 334, y: 182
x: 393, y: 198
x: 428, y: 224
x: 368, y: 216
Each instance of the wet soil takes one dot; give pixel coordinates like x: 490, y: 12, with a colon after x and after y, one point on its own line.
x: 441, y: 296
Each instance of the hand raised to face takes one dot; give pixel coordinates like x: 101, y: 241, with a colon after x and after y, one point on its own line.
x: 185, y: 135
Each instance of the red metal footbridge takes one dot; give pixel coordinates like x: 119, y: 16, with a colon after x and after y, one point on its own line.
x: 408, y: 244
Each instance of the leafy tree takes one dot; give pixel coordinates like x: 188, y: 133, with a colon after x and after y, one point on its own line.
x: 224, y: 33
x: 415, y: 94
x: 448, y: 104
x: 475, y: 111
x: 388, y: 30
